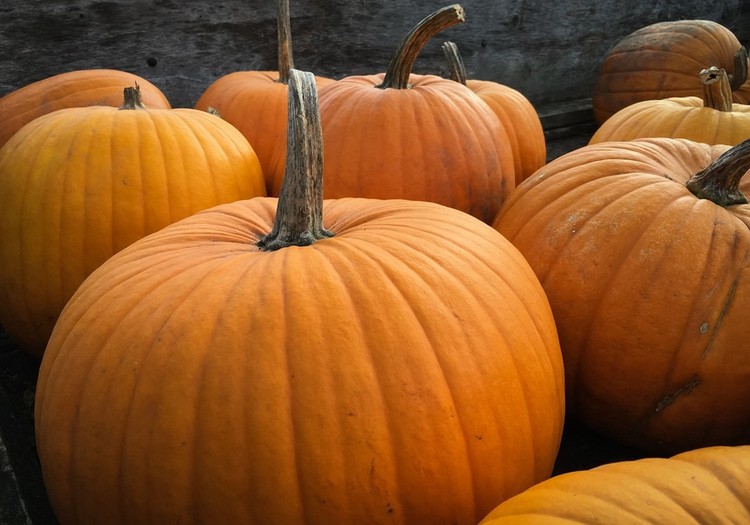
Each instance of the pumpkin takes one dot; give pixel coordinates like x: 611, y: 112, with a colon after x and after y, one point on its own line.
x: 88, y: 87
x: 337, y: 361
x: 255, y: 103
x: 712, y: 118
x: 418, y: 137
x: 516, y: 113
x: 643, y: 249
x: 709, y: 486
x: 79, y: 184
x: 661, y: 60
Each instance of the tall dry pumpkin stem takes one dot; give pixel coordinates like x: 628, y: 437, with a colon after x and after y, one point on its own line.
x: 284, y: 37
x: 132, y: 98
x: 720, y: 181
x: 456, y: 66
x: 299, y: 212
x: 399, y: 70
x: 717, y: 94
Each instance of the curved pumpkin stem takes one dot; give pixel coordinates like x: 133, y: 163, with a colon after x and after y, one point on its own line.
x: 399, y: 70
x: 739, y: 76
x: 456, y: 66
x: 717, y: 94
x: 132, y: 98
x: 299, y: 212
x: 284, y: 36
x: 720, y: 181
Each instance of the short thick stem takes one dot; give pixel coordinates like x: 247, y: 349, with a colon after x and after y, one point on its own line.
x: 299, y: 212
x: 720, y: 181
x: 456, y: 66
x: 717, y: 94
x: 284, y: 37
x: 132, y: 98
x: 400, y: 68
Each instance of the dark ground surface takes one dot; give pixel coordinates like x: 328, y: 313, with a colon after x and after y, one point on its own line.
x: 23, y: 500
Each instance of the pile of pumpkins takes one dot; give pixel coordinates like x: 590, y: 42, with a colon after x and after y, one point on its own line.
x: 371, y: 300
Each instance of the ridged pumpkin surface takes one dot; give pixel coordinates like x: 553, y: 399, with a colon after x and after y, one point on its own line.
x: 677, y: 117
x: 659, y: 61
x: 521, y: 123
x: 709, y: 486
x: 436, y: 141
x: 404, y: 371
x: 89, y: 87
x: 650, y: 287
x: 80, y: 184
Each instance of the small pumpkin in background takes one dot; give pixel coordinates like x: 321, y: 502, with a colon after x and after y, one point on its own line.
x: 661, y: 60
x: 711, y: 118
x: 255, y: 103
x: 418, y: 137
x: 294, y: 360
x: 710, y: 486
x: 79, y: 184
x: 517, y: 114
x: 88, y: 87
x: 643, y: 248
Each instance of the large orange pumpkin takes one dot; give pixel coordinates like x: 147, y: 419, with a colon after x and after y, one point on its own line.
x: 711, y: 118
x: 255, y: 103
x: 419, y: 137
x: 517, y: 115
x: 88, y: 87
x: 708, y: 486
x: 399, y: 365
x: 649, y: 281
x: 661, y: 60
x: 79, y: 184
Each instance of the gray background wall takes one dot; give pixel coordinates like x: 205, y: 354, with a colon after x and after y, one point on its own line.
x: 548, y: 50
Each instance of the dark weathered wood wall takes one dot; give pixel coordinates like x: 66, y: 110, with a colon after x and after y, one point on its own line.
x: 548, y: 50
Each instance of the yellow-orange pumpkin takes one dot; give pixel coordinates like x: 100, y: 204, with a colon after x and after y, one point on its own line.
x: 708, y: 486
x: 399, y: 365
x: 661, y: 60
x: 255, y: 103
x: 418, y: 137
x: 517, y: 115
x: 79, y: 184
x: 711, y: 118
x: 88, y: 87
x: 649, y: 281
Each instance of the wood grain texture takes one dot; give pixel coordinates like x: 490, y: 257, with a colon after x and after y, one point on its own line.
x: 548, y: 51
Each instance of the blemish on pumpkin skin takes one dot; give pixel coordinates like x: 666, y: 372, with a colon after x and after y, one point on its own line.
x: 682, y: 391
x: 724, y: 309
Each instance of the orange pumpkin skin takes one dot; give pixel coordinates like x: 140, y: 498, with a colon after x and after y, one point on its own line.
x: 436, y: 141
x: 660, y: 61
x: 650, y: 288
x: 677, y: 117
x: 406, y: 370
x: 521, y: 122
x: 255, y: 102
x: 709, y: 486
x: 79, y: 184
x: 89, y: 87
